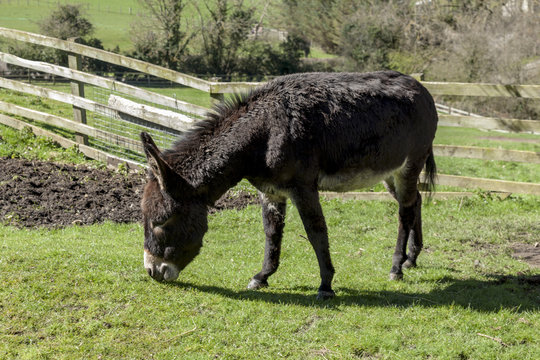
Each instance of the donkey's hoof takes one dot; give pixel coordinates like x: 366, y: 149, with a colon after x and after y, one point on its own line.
x: 325, y: 294
x: 409, y: 264
x: 396, y: 276
x: 255, y: 284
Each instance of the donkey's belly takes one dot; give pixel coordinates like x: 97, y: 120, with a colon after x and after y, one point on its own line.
x: 348, y: 181
x: 353, y: 179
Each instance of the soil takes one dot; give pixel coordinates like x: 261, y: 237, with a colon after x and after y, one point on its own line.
x: 527, y: 252
x: 52, y: 195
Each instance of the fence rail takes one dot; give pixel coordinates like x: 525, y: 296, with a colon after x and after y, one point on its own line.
x: 489, y: 90
x: 116, y: 121
x: 117, y: 59
x: 89, y: 151
x: 487, y: 123
x: 104, y: 83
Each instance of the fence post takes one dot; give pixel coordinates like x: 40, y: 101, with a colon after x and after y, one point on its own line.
x: 215, y: 97
x: 77, y: 89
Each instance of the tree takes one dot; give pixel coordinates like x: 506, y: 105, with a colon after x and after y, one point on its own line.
x: 367, y: 39
x: 161, y: 38
x: 261, y: 58
x: 224, y: 34
x: 65, y: 22
x: 319, y: 20
x: 291, y: 51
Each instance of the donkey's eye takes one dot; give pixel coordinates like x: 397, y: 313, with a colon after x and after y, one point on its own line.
x: 156, y: 223
x: 158, y: 232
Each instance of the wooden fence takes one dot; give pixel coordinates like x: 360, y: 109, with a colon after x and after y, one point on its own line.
x: 180, y: 115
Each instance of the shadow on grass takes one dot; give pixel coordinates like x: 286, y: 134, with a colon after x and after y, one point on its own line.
x: 520, y: 293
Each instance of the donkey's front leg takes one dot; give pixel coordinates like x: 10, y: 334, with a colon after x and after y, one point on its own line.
x: 273, y: 214
x: 309, y: 207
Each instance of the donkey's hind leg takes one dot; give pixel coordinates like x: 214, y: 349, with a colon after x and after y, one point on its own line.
x: 273, y: 214
x: 415, y: 235
x: 403, y: 187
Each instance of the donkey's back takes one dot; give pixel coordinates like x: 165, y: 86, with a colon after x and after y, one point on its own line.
x: 347, y: 130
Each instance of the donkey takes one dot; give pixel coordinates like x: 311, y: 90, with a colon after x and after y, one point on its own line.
x: 291, y: 137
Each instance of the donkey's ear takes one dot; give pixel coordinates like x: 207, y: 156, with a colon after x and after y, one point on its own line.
x: 169, y: 181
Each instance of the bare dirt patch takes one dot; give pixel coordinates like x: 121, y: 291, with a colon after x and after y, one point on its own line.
x: 527, y: 252
x: 45, y: 194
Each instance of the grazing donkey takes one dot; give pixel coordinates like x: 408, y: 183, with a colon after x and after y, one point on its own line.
x: 291, y: 137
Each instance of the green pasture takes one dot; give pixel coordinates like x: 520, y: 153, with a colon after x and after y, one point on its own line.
x: 82, y: 292
x: 112, y: 20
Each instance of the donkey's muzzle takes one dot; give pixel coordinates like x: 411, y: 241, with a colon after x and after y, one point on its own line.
x: 160, y: 269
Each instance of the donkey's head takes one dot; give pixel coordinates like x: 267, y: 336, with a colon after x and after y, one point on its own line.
x: 174, y: 218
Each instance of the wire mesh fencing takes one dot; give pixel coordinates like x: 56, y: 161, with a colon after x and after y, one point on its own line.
x: 118, y: 133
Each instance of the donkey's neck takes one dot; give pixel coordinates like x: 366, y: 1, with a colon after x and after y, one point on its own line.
x: 217, y: 174
x: 215, y: 164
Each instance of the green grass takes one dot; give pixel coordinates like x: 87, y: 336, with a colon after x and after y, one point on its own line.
x: 23, y: 144
x: 499, y: 170
x: 111, y: 20
x: 494, y: 139
x: 190, y: 95
x: 82, y: 292
x: 39, y: 103
x: 318, y: 53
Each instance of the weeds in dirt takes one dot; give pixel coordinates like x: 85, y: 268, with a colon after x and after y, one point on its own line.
x: 24, y: 144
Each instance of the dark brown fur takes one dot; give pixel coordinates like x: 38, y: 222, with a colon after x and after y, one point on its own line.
x: 290, y: 138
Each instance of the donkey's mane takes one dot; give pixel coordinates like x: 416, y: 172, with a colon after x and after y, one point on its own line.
x: 214, y: 120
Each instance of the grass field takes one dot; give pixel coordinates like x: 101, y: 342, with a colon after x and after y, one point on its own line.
x: 82, y: 292
x: 112, y: 20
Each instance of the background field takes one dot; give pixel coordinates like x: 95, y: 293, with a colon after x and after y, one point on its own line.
x: 112, y: 20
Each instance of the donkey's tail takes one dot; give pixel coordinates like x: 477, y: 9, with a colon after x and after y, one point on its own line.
x: 430, y: 173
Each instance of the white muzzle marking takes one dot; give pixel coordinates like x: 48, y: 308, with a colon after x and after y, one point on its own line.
x: 160, y: 269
